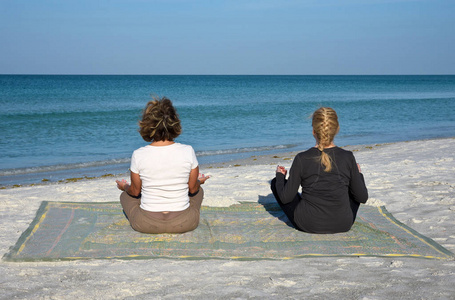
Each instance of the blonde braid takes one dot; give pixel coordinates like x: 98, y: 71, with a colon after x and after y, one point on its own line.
x: 325, y: 126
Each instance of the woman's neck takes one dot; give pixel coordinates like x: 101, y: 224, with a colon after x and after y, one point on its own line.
x: 162, y: 143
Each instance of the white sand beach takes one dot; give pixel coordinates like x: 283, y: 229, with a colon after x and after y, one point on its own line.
x: 414, y: 180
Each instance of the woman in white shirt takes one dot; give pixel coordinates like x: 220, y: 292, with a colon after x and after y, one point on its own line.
x: 165, y: 194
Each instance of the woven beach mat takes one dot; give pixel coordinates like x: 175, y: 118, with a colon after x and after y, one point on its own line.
x: 247, y: 231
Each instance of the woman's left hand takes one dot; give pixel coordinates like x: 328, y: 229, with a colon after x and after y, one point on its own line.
x: 202, y: 178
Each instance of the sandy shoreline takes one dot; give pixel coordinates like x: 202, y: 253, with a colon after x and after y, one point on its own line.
x: 414, y: 180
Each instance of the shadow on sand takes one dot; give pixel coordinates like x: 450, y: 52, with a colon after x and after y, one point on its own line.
x: 272, y: 207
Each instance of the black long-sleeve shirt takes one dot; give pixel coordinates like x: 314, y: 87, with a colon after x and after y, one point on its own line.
x: 325, y: 205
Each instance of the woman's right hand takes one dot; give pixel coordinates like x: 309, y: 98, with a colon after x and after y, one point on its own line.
x: 282, y: 170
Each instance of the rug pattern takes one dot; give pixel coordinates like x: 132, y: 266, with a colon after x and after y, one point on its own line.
x: 248, y: 231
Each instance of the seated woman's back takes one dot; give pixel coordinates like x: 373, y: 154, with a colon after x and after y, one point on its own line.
x: 332, y: 185
x: 164, y: 171
x: 328, y: 195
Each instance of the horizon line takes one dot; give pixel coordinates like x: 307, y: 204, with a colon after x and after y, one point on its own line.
x: 119, y: 74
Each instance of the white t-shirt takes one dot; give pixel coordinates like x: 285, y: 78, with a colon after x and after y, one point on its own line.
x: 164, y: 171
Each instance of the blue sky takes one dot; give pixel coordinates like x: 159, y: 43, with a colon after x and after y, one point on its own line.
x: 227, y: 37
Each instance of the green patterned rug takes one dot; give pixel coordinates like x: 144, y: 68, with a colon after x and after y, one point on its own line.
x: 249, y: 231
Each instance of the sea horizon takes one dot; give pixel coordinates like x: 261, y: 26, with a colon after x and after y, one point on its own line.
x: 100, y: 74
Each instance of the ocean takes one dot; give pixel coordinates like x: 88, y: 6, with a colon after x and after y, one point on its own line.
x: 65, y: 126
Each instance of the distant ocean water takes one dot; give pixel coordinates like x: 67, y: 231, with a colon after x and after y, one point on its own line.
x: 57, y: 127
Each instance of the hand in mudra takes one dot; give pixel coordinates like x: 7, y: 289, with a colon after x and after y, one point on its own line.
x: 202, y: 178
x: 282, y: 170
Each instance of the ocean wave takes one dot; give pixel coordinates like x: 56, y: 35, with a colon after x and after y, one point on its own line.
x: 113, y: 162
x: 46, y: 112
x: 63, y: 167
x: 244, y: 150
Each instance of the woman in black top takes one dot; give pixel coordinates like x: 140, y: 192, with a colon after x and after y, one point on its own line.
x: 332, y: 183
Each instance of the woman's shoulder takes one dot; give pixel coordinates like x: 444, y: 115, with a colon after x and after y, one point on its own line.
x: 182, y: 146
x: 315, y: 152
x: 310, y: 151
x: 343, y: 151
x: 165, y: 148
x: 183, y: 149
x: 344, y: 154
x: 307, y: 154
x: 142, y: 149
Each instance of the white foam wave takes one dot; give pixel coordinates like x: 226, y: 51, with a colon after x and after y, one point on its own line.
x: 113, y: 162
x: 62, y: 167
x: 243, y: 150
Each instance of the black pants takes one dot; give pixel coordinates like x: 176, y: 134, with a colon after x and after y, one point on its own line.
x: 290, y: 208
